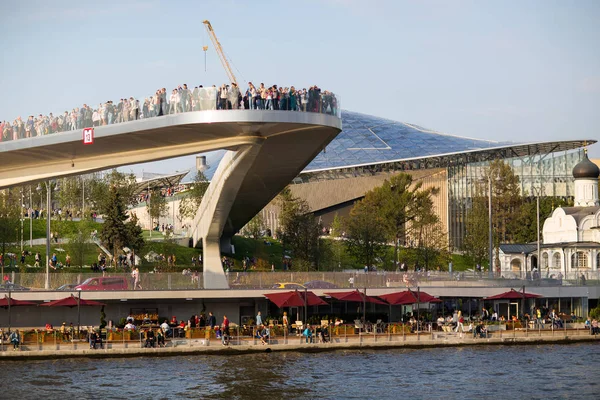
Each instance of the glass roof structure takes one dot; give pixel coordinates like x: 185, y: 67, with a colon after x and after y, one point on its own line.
x: 367, y: 140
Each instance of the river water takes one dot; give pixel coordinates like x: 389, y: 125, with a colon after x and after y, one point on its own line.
x: 507, y: 372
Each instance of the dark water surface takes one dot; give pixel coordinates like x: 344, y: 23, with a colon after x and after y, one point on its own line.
x: 502, y: 372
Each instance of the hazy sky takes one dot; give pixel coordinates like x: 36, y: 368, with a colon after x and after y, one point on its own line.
x: 509, y: 70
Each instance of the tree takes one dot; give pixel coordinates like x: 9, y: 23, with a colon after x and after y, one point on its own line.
x: 255, y: 226
x: 337, y: 243
x: 9, y: 218
x: 299, y: 229
x: 198, y: 188
x: 69, y: 195
x: 426, y: 229
x: 365, y: 236
x: 400, y: 201
x: 114, y: 233
x: 526, y: 227
x: 135, y: 240
x: 187, y: 209
x: 157, y: 206
x: 476, y: 241
x: 506, y: 200
x: 190, y: 203
x: 96, y: 195
x: 79, y: 243
x: 99, y: 190
x: 506, y: 204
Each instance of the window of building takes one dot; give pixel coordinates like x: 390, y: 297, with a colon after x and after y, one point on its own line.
x: 556, y: 261
x: 544, y: 260
x: 579, y: 260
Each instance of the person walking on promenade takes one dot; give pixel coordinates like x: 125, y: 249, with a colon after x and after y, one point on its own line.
x: 459, y: 323
x: 212, y: 320
x: 225, y: 325
x: 135, y: 274
x: 538, y: 317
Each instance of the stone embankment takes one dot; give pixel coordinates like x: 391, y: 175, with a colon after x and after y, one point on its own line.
x: 295, y: 344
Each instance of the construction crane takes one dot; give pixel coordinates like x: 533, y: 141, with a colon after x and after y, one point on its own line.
x: 219, y: 50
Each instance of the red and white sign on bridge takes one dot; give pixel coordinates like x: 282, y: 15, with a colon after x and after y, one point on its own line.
x: 88, y: 136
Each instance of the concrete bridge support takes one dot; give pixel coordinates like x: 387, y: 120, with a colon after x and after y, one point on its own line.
x: 212, y: 216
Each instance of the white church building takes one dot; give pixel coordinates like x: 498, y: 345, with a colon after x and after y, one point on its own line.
x: 570, y: 244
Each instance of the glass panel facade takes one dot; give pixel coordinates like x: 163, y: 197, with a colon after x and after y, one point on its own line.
x: 548, y: 174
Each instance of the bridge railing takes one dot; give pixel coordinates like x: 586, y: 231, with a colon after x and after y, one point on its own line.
x: 161, y: 104
x: 290, y: 280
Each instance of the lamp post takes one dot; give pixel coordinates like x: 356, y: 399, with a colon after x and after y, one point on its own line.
x: 491, y: 241
x: 537, y: 208
x: 48, y: 211
x: 48, y: 203
x: 30, y: 218
x: 82, y: 198
x: 22, y: 207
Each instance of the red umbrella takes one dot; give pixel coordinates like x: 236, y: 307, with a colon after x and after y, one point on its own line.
x: 72, y: 301
x: 9, y: 302
x: 355, y: 295
x: 295, y: 298
x: 409, y: 297
x: 512, y: 294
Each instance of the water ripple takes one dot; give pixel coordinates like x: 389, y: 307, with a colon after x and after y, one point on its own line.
x: 535, y: 372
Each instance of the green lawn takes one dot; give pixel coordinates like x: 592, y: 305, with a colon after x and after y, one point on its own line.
x: 39, y: 227
x: 267, y: 251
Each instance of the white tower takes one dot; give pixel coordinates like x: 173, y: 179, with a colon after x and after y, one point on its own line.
x: 586, y: 183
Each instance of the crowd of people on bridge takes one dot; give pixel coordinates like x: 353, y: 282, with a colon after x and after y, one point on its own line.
x: 181, y: 99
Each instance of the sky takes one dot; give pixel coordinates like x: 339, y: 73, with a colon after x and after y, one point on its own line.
x: 508, y: 71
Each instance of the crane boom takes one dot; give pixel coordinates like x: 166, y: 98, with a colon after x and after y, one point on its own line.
x: 219, y: 50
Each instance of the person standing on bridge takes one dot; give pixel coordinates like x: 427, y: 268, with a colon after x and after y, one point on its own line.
x: 174, y: 102
x: 163, y: 102
x: 185, y: 98
x: 133, y: 109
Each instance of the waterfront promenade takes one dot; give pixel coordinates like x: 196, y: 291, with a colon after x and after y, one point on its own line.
x: 245, y: 344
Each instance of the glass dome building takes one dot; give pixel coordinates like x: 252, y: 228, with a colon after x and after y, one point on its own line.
x: 371, y: 146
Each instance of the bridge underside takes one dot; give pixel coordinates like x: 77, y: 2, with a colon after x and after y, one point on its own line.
x: 64, y: 154
x: 266, y: 150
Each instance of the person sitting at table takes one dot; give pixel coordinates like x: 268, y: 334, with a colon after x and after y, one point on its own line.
x: 324, y: 334
x: 307, y: 334
x: 146, y: 319
x: 65, y: 332
x: 440, y: 323
x: 174, y: 321
x: 150, y: 340
x: 479, y: 331
x: 129, y: 327
x: 181, y: 328
x: 595, y: 330
x: 165, y: 328
x: 15, y: 339
x: 264, y: 334
x: 160, y: 338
